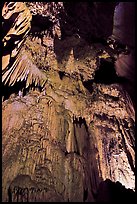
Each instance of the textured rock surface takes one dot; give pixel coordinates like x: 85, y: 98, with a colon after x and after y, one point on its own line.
x: 125, y: 15
x: 124, y: 32
x: 60, y: 141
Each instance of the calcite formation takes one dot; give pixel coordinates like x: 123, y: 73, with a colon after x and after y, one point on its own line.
x: 19, y: 18
x: 66, y: 133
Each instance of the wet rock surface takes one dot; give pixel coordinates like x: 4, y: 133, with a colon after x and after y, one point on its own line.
x: 70, y: 138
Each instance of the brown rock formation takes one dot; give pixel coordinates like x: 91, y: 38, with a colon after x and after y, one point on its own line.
x: 71, y: 130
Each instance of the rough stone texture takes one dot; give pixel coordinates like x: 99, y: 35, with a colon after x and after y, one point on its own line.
x: 124, y: 32
x: 125, y: 17
x: 60, y: 142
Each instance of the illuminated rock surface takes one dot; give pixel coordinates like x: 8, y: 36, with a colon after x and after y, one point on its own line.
x: 70, y: 135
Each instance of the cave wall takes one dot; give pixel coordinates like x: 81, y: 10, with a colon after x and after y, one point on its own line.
x: 65, y: 140
x: 88, y: 20
x: 124, y: 32
x: 124, y: 23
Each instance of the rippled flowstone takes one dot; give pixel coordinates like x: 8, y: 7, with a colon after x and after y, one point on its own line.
x: 63, y: 142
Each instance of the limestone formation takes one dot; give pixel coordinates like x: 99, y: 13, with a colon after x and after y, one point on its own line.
x: 71, y: 132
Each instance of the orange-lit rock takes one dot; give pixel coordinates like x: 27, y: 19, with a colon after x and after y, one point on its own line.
x: 61, y: 140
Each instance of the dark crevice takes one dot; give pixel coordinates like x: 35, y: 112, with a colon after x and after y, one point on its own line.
x: 106, y: 73
x: 77, y: 151
x: 79, y: 135
x: 85, y: 194
x: 7, y: 91
x: 118, y: 47
x: 10, y: 46
x: 114, y: 98
x: 40, y: 25
x: 88, y: 85
x: 109, y: 191
x: 61, y: 74
x: 9, y: 195
x: 79, y: 121
x: 7, y: 23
